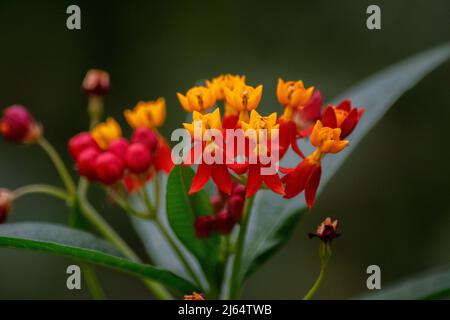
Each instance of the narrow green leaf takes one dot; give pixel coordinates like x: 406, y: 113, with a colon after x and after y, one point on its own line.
x: 182, y: 210
x: 83, y: 246
x: 433, y: 284
x: 273, y: 218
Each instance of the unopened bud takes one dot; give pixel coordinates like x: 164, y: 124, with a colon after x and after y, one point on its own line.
x: 138, y: 158
x: 109, y: 168
x: 225, y: 222
x: 147, y: 137
x: 204, y: 226
x: 86, y: 163
x: 96, y: 82
x: 18, y: 125
x: 119, y: 147
x: 81, y: 142
x: 236, y: 206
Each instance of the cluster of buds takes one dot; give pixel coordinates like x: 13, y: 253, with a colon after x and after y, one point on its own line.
x: 104, y: 155
x: 228, y: 211
x: 303, y: 117
x: 18, y: 125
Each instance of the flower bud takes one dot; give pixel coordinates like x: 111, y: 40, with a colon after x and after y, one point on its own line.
x: 225, y: 222
x: 147, y: 137
x: 204, y: 226
x: 138, y: 158
x: 119, y: 147
x: 216, y: 202
x: 109, y: 168
x: 86, y: 163
x: 96, y: 82
x: 236, y: 206
x: 18, y: 125
x: 81, y: 142
x: 238, y: 190
x: 326, y: 231
x: 6, y: 200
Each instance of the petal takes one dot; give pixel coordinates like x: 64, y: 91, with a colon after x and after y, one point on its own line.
x: 329, y: 117
x: 281, y: 92
x: 296, y: 179
x: 311, y: 186
x: 222, y: 178
x: 254, y: 181
x: 345, y: 105
x: 349, y: 123
x: 314, y: 138
x: 274, y: 183
x: 184, y: 102
x: 201, y: 178
x: 163, y: 157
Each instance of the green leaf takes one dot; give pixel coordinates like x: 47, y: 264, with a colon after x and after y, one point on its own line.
x: 273, y: 219
x: 83, y: 246
x: 182, y: 210
x: 433, y: 284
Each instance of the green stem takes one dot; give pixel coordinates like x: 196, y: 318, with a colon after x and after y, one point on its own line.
x: 42, y: 188
x: 324, y: 254
x: 59, y: 165
x: 92, y: 282
x: 235, y: 279
x: 95, y: 110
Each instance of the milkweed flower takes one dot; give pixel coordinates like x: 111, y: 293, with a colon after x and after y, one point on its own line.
x: 151, y: 114
x: 18, y: 125
x: 96, y: 82
x: 106, y: 132
x: 342, y: 116
x: 306, y: 175
x: 293, y: 94
x: 326, y: 231
x: 243, y: 99
x: 218, y: 84
x: 204, y: 121
x: 6, y: 201
x: 197, y: 99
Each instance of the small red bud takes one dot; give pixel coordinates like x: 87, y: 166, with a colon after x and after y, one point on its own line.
x: 6, y: 200
x: 109, y: 168
x: 238, y: 190
x: 138, y: 158
x: 147, y: 137
x: 236, y: 206
x: 216, y: 202
x: 18, y: 125
x: 204, y: 226
x: 81, y: 142
x: 225, y: 222
x: 119, y: 147
x: 96, y: 82
x: 86, y: 163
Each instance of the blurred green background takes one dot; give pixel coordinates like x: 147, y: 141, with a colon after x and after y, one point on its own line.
x: 391, y: 196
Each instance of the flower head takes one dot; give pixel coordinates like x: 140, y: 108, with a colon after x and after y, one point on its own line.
x: 258, y: 122
x: 243, y: 97
x: 18, y: 125
x: 106, y: 132
x: 218, y: 84
x: 293, y: 94
x: 207, y: 121
x: 327, y: 139
x: 342, y: 116
x: 197, y: 99
x: 6, y: 201
x: 326, y: 231
x: 149, y: 114
x: 96, y: 82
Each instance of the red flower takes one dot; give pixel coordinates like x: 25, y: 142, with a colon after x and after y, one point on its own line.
x: 218, y: 172
x: 18, y: 125
x: 163, y: 157
x: 343, y: 116
x: 147, y: 137
x: 304, y: 177
x: 256, y: 179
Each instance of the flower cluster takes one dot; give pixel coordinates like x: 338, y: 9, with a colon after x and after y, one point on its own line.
x: 227, y: 213
x: 104, y: 155
x: 303, y: 117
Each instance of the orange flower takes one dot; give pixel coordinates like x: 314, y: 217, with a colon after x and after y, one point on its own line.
x: 243, y: 99
x: 207, y: 121
x: 343, y: 116
x: 149, y: 114
x: 326, y: 139
x: 106, y: 132
x: 293, y: 94
x: 197, y: 99
x: 218, y: 84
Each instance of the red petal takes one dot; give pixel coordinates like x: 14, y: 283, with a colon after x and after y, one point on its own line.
x: 345, y: 105
x: 238, y: 168
x: 274, y: 183
x: 201, y: 177
x: 305, y: 132
x: 163, y: 157
x: 254, y: 181
x: 349, y: 123
x: 286, y: 170
x: 222, y: 178
x: 230, y: 122
x: 311, y: 111
x: 296, y: 179
x: 296, y: 148
x: 311, y: 186
x: 329, y: 118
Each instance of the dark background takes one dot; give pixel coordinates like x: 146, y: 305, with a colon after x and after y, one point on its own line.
x: 391, y: 196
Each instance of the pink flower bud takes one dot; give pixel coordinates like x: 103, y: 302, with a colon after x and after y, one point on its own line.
x: 204, y: 226
x: 147, y: 137
x: 138, y: 158
x: 86, y: 163
x: 81, y: 142
x: 109, y: 168
x: 236, y: 206
x: 96, y: 82
x: 6, y: 200
x: 216, y: 202
x: 238, y: 190
x: 18, y: 125
x: 224, y: 222
x: 119, y: 147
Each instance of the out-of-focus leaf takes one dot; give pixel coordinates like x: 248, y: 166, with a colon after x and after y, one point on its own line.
x: 433, y: 284
x: 84, y: 246
x: 273, y: 218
